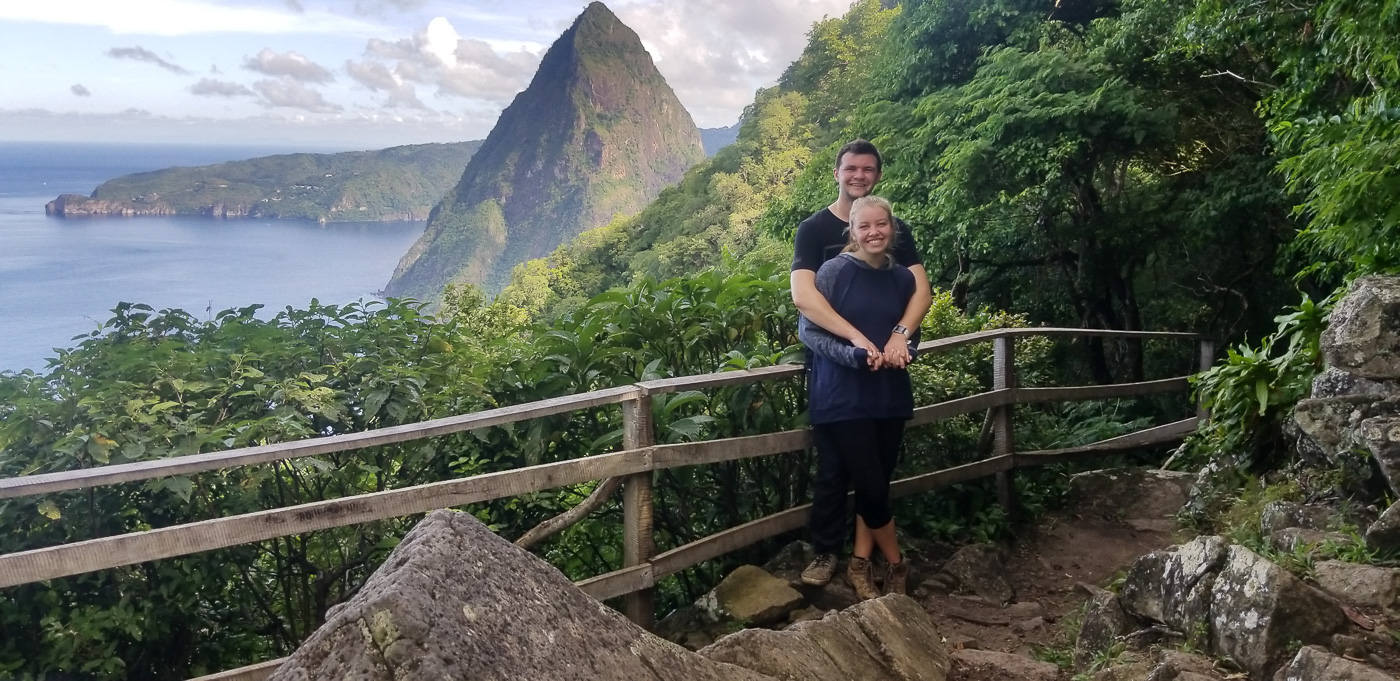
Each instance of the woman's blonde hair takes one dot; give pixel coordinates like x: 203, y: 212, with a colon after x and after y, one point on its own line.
x: 865, y: 203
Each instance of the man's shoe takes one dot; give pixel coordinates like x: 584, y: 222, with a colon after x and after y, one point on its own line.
x: 897, y: 578
x: 861, y: 575
x: 820, y: 571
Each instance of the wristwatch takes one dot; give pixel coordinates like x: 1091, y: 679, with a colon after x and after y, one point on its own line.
x: 901, y: 330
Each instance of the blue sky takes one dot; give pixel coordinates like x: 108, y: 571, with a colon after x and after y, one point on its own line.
x: 349, y: 73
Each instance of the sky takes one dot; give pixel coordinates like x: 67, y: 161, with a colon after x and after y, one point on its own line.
x: 350, y: 74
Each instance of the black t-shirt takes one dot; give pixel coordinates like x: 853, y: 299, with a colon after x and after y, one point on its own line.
x: 823, y: 236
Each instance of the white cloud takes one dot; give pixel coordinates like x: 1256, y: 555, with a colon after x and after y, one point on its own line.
x: 716, y: 54
x: 379, y: 78
x: 462, y: 67
x: 209, y: 87
x: 181, y: 17
x: 292, y: 65
x: 292, y: 94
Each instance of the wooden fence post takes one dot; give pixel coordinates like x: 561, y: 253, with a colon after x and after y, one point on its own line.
x: 1003, y: 440
x: 638, y: 541
x: 1207, y: 360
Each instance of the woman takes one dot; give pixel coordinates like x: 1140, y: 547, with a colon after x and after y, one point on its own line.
x: 858, y: 401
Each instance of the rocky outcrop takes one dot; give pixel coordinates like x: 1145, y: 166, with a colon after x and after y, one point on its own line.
x: 453, y: 600
x: 1316, y: 664
x: 1355, y: 403
x: 886, y: 638
x: 1366, y: 585
x: 1104, y: 622
x: 79, y: 206
x: 990, y: 665
x: 1231, y: 601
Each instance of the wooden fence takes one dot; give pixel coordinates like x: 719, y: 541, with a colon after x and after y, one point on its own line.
x: 639, y: 458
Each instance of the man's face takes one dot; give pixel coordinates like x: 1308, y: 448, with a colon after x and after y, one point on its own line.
x: 856, y: 175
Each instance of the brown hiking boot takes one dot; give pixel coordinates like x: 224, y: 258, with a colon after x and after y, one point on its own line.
x: 820, y: 571
x: 897, y: 578
x: 862, y: 578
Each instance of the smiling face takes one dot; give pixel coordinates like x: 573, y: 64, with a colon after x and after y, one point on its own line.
x: 872, y: 229
x: 857, y: 174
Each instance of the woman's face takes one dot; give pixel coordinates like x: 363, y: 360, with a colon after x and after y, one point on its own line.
x: 872, y: 229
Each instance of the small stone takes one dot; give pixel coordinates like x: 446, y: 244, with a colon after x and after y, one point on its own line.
x: 963, y: 642
x: 979, y: 568
x: 1280, y: 515
x: 1316, y: 664
x: 1349, y: 646
x: 1025, y: 610
x: 1026, y: 626
x: 987, y: 665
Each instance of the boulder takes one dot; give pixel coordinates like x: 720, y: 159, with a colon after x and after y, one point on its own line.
x: 1282, y: 515
x: 750, y: 595
x: 454, y: 600
x: 1258, y: 611
x: 1363, y: 334
x: 978, y: 568
x: 1291, y: 539
x: 1316, y: 664
x: 1381, y: 436
x: 886, y: 638
x: 1174, y: 586
x: 988, y: 665
x: 1384, y: 534
x: 1104, y: 621
x: 1365, y: 585
x: 1132, y: 493
x: 1332, y: 424
x: 1334, y: 382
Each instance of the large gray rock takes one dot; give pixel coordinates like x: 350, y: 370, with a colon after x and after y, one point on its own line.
x: 1334, y: 382
x: 1384, y: 534
x: 1132, y: 493
x: 1104, y: 621
x: 1282, y: 515
x: 978, y: 568
x: 1363, y: 334
x: 1331, y: 425
x: 455, y: 601
x: 751, y: 595
x: 1174, y: 587
x: 1293, y: 539
x: 1366, y: 585
x: 1381, y: 436
x: 886, y: 638
x: 1259, y: 611
x: 1316, y: 664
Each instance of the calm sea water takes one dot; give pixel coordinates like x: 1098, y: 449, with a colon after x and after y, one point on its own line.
x: 60, y: 278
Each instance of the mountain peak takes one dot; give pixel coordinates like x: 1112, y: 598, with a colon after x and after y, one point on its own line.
x: 596, y: 135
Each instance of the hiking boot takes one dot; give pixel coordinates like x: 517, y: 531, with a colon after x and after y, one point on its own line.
x: 897, y: 578
x: 820, y: 571
x: 861, y: 575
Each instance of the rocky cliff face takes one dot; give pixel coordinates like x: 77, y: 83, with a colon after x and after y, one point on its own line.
x: 597, y: 134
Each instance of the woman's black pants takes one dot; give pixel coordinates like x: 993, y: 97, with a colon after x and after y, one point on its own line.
x: 858, y: 454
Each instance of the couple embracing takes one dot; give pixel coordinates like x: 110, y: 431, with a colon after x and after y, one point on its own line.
x: 861, y: 288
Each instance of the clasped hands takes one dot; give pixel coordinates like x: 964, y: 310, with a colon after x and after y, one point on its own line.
x: 894, y: 356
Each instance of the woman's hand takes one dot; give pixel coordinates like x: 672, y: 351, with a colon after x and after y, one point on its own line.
x: 896, y: 353
x: 874, y: 358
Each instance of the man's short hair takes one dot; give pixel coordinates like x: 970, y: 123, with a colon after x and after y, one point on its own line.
x: 859, y: 147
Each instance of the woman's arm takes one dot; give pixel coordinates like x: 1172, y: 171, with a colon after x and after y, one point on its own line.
x: 831, y: 346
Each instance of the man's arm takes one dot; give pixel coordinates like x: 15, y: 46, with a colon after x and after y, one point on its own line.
x: 897, y: 349
x: 814, y: 306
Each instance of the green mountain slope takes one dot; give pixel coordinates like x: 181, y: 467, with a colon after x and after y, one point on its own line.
x: 398, y: 183
x: 597, y: 134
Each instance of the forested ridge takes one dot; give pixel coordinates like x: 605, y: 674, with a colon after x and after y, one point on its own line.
x: 1181, y: 164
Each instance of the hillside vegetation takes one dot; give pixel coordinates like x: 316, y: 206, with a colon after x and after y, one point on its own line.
x: 1177, y: 164
x: 398, y: 183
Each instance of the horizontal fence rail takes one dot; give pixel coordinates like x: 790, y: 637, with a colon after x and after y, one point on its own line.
x: 636, y: 464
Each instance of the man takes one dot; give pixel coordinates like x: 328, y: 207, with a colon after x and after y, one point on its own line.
x: 820, y: 238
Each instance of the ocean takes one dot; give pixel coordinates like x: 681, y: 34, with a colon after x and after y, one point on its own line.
x: 60, y: 278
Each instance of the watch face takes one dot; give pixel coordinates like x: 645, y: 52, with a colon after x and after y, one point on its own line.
x: 899, y: 329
